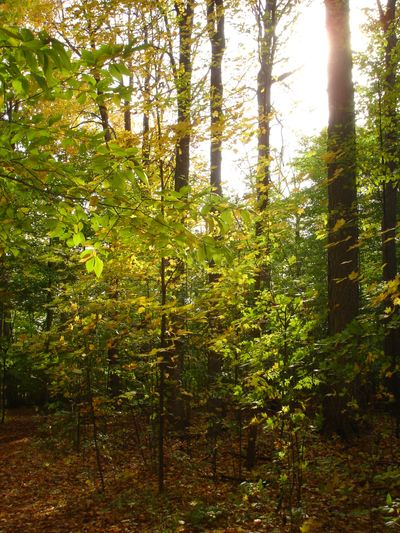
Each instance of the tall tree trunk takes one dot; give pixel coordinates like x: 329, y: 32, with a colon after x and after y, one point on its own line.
x: 164, y: 361
x: 165, y: 358
x: 343, y: 251
x: 216, y: 32
x: 103, y: 111
x: 267, y: 18
x: 113, y: 352
x: 146, y: 122
x: 183, y: 81
x: 5, y: 333
x: 267, y: 21
x: 389, y: 149
x: 127, y: 109
x: 48, y: 323
x: 343, y: 254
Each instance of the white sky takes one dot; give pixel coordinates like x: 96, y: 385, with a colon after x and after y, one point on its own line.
x: 302, y: 103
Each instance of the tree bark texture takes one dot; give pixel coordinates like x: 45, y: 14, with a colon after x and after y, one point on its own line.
x: 343, y: 251
x: 389, y: 148
x: 389, y: 142
x: 184, y: 12
x: 216, y: 31
x: 267, y: 18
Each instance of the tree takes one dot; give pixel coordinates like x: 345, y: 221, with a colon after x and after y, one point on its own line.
x: 343, y: 251
x: 273, y: 20
x: 183, y: 81
x: 388, y: 140
x: 216, y: 32
x: 389, y: 160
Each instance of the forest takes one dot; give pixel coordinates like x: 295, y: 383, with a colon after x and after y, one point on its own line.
x: 198, y: 331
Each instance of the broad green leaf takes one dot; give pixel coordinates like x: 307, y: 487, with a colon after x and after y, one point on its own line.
x: 98, y: 266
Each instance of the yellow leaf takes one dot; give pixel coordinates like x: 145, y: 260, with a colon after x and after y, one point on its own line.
x: 353, y: 275
x: 339, y: 223
x: 309, y: 526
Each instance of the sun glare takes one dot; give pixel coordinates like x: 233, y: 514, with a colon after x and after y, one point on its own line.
x: 308, y: 52
x: 301, y: 100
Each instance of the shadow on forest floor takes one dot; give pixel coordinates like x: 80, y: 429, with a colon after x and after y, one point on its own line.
x: 49, y: 488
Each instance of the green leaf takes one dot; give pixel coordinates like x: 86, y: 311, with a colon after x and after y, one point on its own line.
x: 141, y: 175
x: 90, y: 264
x: 20, y: 85
x: 115, y: 71
x: 60, y: 54
x: 10, y: 32
x: 78, y: 238
x: 26, y: 34
x: 226, y: 218
x: 40, y: 80
x: 124, y: 69
x: 88, y: 57
x: 98, y: 266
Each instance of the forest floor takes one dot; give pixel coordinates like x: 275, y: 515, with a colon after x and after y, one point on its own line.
x: 47, y: 487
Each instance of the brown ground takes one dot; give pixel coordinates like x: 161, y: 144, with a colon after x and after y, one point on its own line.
x: 46, y: 487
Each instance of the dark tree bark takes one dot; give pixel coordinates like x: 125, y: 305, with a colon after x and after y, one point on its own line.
x: 267, y: 17
x: 182, y: 71
x: 183, y: 80
x: 146, y: 123
x: 5, y: 333
x: 165, y: 357
x: 127, y: 110
x: 343, y: 252
x: 164, y: 361
x: 216, y: 31
x: 267, y: 47
x: 389, y: 149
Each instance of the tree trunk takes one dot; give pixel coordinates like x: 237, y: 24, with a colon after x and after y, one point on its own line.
x: 267, y: 18
x: 267, y: 21
x: 343, y: 251
x: 216, y: 32
x: 389, y: 149
x: 183, y: 81
x: 5, y: 333
x: 164, y: 359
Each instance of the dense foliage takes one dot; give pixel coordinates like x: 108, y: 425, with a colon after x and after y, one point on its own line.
x: 131, y: 285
